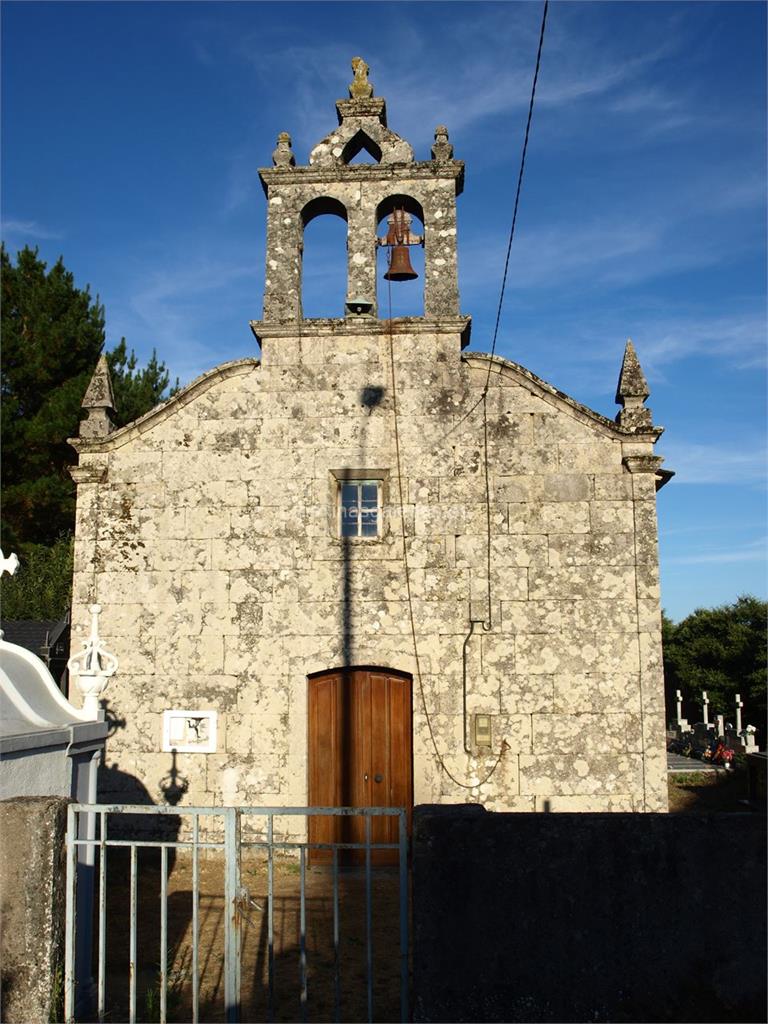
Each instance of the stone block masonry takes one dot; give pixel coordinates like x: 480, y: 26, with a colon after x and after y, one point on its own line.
x: 209, y: 532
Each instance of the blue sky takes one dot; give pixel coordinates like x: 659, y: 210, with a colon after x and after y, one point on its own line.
x: 132, y: 133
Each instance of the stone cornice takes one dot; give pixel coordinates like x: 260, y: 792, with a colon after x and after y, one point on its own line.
x: 551, y: 394
x: 399, y: 173
x: 375, y: 106
x: 363, y: 326
x: 649, y: 464
x: 161, y: 412
x: 643, y: 463
x: 94, y: 474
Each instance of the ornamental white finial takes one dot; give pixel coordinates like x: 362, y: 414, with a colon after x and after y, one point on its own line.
x: 93, y: 666
x: 9, y: 564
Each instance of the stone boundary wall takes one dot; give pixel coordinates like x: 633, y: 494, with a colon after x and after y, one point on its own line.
x: 32, y: 869
x: 588, y: 917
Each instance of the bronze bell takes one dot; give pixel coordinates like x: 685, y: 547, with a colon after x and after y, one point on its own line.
x: 400, y: 268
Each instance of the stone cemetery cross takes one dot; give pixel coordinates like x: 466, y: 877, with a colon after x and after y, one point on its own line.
x: 679, y: 699
x: 739, y: 706
x: 705, y: 706
x: 720, y: 719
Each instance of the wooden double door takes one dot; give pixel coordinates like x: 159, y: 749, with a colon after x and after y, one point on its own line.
x: 360, y: 755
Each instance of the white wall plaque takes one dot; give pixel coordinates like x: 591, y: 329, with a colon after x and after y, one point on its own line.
x: 189, y: 732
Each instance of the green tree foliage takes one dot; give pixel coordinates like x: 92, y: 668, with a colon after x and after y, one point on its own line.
x: 41, y: 587
x: 723, y: 651
x: 52, y: 336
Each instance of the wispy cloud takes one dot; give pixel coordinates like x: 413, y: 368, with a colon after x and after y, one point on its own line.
x: 613, y: 251
x: 23, y: 229
x: 738, y: 339
x: 715, y: 464
x: 754, y: 551
x: 181, y: 307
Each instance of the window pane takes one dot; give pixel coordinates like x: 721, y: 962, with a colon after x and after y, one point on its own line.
x: 348, y: 527
x: 370, y: 493
x: 348, y: 495
x: 369, y: 519
x: 349, y: 506
x: 369, y: 528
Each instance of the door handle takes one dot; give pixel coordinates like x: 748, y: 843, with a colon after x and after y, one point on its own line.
x: 365, y: 777
x: 378, y: 778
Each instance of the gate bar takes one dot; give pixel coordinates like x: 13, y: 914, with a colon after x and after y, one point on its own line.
x: 132, y: 952
x: 303, y: 932
x: 336, y: 977
x: 163, y: 935
x: 271, y: 921
x: 368, y: 929
x: 102, y: 917
x: 195, y: 920
x: 403, y: 836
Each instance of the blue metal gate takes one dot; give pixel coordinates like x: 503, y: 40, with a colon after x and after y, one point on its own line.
x: 93, y: 829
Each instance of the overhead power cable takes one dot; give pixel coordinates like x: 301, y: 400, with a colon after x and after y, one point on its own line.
x: 504, y: 745
x: 519, y: 187
x: 488, y: 623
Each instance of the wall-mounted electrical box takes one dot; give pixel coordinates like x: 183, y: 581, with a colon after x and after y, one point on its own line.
x: 189, y: 732
x: 482, y: 731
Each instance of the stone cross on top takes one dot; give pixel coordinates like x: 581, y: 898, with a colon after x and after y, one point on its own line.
x: 360, y: 88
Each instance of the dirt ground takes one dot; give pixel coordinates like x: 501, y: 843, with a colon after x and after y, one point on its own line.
x: 319, y: 941
x: 708, y: 791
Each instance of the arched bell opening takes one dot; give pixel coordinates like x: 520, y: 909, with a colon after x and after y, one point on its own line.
x: 407, y: 297
x: 323, y: 270
x: 361, y: 143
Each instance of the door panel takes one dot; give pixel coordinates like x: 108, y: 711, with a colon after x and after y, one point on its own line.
x: 360, y: 755
x: 324, y: 777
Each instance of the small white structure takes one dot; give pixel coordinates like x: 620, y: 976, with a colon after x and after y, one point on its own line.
x: 48, y: 747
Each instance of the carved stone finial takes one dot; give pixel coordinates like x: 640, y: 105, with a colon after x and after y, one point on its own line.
x: 99, y: 402
x: 442, y: 150
x: 360, y: 88
x: 631, y: 393
x: 283, y: 156
x: 93, y: 666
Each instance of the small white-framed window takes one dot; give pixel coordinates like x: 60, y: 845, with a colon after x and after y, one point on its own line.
x: 359, y: 508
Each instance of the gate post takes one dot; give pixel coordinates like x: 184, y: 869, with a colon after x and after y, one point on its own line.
x: 70, y: 918
x: 232, y: 914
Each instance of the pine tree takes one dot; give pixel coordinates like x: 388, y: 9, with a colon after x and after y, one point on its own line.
x: 52, y: 336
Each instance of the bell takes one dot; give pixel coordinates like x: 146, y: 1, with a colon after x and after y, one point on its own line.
x: 400, y: 268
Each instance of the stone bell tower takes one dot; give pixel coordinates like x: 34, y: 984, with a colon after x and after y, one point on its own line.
x: 365, y: 196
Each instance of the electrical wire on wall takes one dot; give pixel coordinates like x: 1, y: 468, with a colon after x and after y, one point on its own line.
x: 406, y: 567
x: 487, y: 623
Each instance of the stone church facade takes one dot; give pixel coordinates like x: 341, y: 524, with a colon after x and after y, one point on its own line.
x: 290, y: 531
